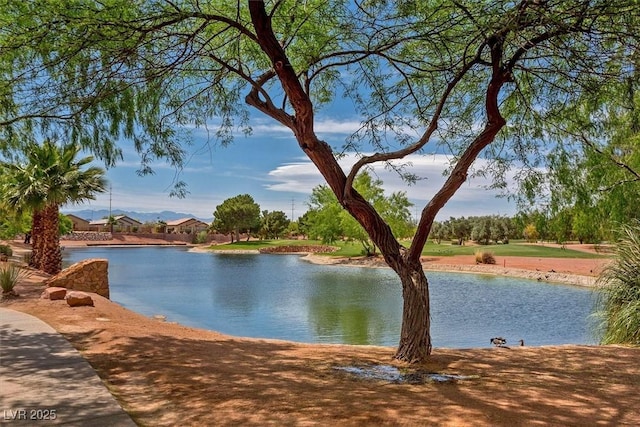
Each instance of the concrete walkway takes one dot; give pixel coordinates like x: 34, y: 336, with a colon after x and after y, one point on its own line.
x: 44, y: 380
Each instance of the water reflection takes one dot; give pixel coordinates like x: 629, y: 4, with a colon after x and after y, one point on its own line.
x: 276, y: 296
x: 354, y: 305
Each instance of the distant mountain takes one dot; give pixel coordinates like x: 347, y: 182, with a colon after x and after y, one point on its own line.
x: 143, y: 217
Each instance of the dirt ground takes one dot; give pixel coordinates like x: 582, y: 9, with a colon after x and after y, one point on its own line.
x: 165, y: 374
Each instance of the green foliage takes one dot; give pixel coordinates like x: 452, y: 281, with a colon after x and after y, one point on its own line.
x: 10, y: 275
x: 530, y: 233
x: 619, y: 291
x: 237, y: 214
x: 201, y: 237
x: 481, y: 229
x: 273, y: 224
x: 594, y: 171
x: 49, y: 174
x: 328, y: 221
x: 46, y: 176
x: 65, y: 225
x: 11, y: 225
x: 6, y: 250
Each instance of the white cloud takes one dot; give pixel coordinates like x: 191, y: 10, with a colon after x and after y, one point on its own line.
x: 471, y: 199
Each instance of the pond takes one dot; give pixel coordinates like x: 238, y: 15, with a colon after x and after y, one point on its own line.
x: 284, y: 297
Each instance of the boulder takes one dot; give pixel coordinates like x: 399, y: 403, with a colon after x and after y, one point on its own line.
x: 54, y: 293
x: 78, y: 299
x: 90, y: 275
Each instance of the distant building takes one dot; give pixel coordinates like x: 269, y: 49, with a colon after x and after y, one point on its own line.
x: 79, y: 224
x: 123, y: 224
x: 186, y: 225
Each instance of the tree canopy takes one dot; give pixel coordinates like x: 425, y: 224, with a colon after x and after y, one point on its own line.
x: 474, y: 78
x: 328, y: 221
x: 236, y: 214
x: 273, y: 224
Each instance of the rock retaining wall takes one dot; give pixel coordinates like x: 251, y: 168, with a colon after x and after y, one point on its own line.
x: 88, y: 236
x: 90, y: 275
x: 314, y: 249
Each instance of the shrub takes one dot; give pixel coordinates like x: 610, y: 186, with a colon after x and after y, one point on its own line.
x: 201, y: 237
x: 619, y: 291
x: 10, y: 275
x: 485, y: 258
x: 6, y: 250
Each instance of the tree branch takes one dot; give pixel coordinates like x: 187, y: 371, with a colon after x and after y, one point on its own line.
x: 303, y: 120
x: 615, y: 161
x: 426, y: 136
x: 458, y: 175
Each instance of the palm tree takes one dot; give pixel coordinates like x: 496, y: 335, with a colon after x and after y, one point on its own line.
x: 50, y: 177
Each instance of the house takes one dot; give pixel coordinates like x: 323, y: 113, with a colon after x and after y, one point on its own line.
x: 79, y: 224
x: 123, y: 224
x: 186, y: 225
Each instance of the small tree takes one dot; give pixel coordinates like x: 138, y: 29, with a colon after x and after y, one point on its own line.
x: 273, y: 224
x: 330, y: 221
x: 482, y: 230
x: 65, y: 225
x: 236, y: 214
x: 530, y: 233
x: 438, y: 232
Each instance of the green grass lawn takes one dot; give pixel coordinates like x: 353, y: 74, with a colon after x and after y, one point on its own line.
x: 350, y: 249
x: 512, y: 249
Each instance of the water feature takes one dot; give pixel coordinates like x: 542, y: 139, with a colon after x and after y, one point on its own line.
x: 281, y: 296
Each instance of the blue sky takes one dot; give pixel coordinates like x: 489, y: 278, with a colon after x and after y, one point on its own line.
x: 271, y: 167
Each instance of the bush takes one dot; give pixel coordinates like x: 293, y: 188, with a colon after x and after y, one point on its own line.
x: 201, y: 237
x: 485, y: 258
x: 10, y: 275
x: 619, y: 291
x: 6, y: 250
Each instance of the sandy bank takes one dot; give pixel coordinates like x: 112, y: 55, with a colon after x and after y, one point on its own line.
x: 578, y: 272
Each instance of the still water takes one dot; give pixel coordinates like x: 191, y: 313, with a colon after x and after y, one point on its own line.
x: 281, y: 296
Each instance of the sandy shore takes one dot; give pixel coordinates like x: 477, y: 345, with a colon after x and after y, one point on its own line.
x: 578, y: 272
x: 165, y: 374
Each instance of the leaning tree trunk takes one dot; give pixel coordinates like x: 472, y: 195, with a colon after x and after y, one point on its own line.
x: 415, y: 337
x: 36, y: 240
x: 51, y: 261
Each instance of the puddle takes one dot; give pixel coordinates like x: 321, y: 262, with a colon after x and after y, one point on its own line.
x: 392, y: 374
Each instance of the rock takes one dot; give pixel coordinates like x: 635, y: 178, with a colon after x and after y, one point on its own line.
x: 90, y: 275
x: 78, y: 299
x: 54, y: 293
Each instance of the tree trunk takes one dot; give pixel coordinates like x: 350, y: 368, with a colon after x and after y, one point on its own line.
x: 415, y: 337
x: 51, y: 261
x: 36, y: 240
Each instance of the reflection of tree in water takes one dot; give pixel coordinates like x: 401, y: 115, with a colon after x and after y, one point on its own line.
x: 342, y: 309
